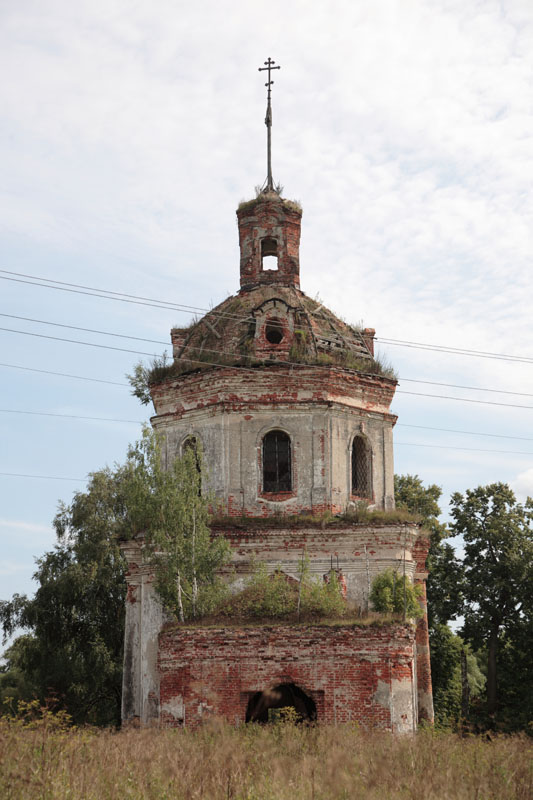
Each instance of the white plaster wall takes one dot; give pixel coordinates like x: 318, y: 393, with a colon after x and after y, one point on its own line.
x: 321, y: 438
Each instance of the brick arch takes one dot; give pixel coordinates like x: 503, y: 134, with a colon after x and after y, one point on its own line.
x: 279, y: 696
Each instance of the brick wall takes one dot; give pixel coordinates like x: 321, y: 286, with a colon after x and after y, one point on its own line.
x: 353, y: 674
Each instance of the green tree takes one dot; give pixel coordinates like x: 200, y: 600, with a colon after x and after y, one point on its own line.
x: 446, y: 648
x: 498, y: 564
x: 76, y: 617
x: 444, y: 595
x: 169, y: 507
x: 75, y: 621
x: 445, y: 573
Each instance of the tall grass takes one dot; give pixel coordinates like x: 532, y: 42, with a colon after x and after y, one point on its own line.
x: 280, y: 762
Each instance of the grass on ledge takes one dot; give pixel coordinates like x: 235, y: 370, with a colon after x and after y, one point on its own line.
x: 351, y: 620
x: 358, y: 516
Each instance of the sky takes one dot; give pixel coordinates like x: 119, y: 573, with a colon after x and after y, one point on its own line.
x: 130, y: 131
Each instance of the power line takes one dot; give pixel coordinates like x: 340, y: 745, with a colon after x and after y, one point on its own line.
x: 411, y: 444
x: 473, y: 388
x: 178, y: 306
x: 462, y: 399
x: 87, y: 330
x: 226, y: 352
x: 63, y: 374
x: 249, y: 369
x: 128, y: 298
x: 471, y: 449
x: 69, y: 416
x: 210, y: 350
x: 110, y: 296
x: 405, y: 444
x: 77, y: 341
x: 44, y: 477
x: 398, y: 424
x: 466, y: 433
x: 437, y: 348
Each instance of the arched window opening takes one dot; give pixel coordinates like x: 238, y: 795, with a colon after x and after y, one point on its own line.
x: 269, y: 253
x: 361, y: 467
x: 274, y: 331
x: 265, y: 706
x: 191, y: 444
x: 277, y: 462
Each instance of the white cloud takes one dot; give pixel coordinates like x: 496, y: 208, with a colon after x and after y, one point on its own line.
x: 522, y: 485
x: 21, y: 525
x: 131, y: 132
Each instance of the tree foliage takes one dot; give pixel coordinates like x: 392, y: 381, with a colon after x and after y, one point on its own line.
x: 392, y: 593
x: 75, y: 621
x: 446, y: 648
x: 171, y: 509
x: 74, y: 651
x: 275, y: 595
x: 445, y: 577
x: 498, y: 569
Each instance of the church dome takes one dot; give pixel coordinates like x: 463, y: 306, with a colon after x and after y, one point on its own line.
x: 271, y: 320
x: 272, y: 324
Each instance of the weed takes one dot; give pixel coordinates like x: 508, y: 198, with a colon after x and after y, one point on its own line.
x: 261, y: 762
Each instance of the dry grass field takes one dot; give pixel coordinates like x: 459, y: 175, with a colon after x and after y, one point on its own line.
x: 49, y: 761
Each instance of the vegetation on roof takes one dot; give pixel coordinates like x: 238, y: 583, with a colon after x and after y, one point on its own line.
x: 161, y: 368
x: 361, y: 514
x: 248, y: 205
x: 272, y: 597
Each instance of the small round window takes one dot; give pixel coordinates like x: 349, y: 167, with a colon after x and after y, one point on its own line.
x: 274, y: 331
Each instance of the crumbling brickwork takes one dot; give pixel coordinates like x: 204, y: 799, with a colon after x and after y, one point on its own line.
x: 293, y: 416
x: 278, y: 222
x: 353, y: 674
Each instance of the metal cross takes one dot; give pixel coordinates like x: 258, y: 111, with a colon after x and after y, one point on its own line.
x: 269, y: 66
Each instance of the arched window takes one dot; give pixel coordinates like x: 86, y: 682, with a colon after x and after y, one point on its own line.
x: 361, y: 467
x: 191, y: 444
x: 277, y: 462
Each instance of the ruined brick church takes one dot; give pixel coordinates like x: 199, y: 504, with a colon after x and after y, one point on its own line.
x: 293, y: 416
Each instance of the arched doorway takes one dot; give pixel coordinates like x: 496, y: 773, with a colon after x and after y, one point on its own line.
x: 262, y: 706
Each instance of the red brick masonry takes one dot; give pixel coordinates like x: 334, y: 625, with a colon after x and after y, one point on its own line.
x: 353, y: 673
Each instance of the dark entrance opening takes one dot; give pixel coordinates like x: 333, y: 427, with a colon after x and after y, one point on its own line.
x: 262, y: 706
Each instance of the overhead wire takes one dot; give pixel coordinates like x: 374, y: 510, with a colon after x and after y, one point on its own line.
x: 86, y: 330
x: 140, y: 422
x: 472, y: 449
x: 406, y: 444
x: 437, y: 348
x: 63, y: 374
x: 226, y: 352
x: 248, y: 369
x: 193, y: 309
x: 211, y: 350
x: 139, y: 300
x: 69, y: 416
x: 466, y: 433
x: 44, y: 477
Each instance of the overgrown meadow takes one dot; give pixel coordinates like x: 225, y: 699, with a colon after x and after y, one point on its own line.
x: 49, y: 760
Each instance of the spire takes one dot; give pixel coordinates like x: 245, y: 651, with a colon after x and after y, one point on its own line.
x: 269, y: 66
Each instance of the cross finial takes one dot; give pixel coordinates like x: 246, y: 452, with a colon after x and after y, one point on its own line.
x: 269, y: 66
